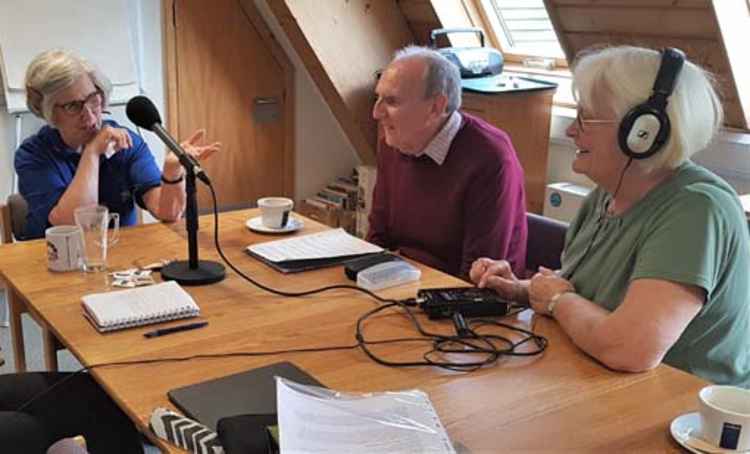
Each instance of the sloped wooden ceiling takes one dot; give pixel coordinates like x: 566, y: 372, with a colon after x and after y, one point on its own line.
x: 691, y: 25
x: 710, y: 32
x: 420, y: 17
x: 343, y: 43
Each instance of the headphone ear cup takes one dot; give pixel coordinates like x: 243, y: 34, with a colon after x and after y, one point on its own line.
x: 643, y: 132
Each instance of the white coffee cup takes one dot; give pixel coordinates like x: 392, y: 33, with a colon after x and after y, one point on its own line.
x: 274, y: 211
x: 64, y: 247
x: 725, y: 416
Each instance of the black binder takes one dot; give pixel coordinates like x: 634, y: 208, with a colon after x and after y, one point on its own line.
x: 251, y: 392
x: 295, y: 266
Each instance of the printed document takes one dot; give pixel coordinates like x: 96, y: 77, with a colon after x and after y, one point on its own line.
x: 327, y: 244
x: 313, y: 420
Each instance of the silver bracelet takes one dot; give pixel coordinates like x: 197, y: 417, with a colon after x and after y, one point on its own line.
x: 553, y: 302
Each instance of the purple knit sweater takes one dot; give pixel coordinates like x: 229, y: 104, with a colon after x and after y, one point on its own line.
x: 446, y: 216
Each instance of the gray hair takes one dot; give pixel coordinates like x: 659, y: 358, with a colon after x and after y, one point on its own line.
x: 616, y: 79
x: 443, y: 77
x: 55, y: 70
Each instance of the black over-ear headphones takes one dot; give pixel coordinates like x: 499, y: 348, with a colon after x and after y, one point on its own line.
x: 645, y: 128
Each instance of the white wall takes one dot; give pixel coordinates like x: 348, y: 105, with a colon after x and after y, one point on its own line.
x: 322, y: 150
x: 145, y: 20
x: 728, y: 156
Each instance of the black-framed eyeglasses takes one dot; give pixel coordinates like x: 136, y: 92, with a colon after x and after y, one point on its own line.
x: 92, y: 101
x: 581, y: 122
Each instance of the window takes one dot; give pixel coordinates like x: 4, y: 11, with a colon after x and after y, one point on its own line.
x: 523, y: 28
x: 524, y: 32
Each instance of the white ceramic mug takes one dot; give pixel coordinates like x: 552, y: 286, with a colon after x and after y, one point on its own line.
x: 64, y: 247
x: 274, y: 211
x: 725, y: 416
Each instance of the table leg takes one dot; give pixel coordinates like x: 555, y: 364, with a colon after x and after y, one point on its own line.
x: 16, y: 307
x: 50, y: 344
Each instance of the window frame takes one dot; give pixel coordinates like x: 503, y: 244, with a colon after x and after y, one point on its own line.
x: 480, y: 17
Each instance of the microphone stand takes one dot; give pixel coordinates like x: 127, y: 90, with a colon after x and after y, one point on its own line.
x: 192, y: 271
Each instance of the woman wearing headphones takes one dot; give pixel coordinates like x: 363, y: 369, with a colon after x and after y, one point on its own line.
x: 656, y: 261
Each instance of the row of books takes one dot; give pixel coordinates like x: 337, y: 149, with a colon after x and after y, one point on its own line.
x: 344, y: 202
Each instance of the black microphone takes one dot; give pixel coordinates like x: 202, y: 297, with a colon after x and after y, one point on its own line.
x: 141, y: 111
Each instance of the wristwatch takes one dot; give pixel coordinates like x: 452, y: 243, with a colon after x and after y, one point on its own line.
x: 553, y: 302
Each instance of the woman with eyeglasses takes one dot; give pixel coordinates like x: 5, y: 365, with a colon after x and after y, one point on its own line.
x: 81, y: 159
x: 655, y: 265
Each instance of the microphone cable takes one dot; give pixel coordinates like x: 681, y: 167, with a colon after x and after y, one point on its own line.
x: 473, y: 343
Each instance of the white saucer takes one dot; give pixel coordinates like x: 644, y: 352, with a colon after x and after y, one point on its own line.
x: 686, y: 430
x: 256, y: 225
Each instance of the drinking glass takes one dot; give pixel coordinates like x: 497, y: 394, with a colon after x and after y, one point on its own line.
x: 94, y: 220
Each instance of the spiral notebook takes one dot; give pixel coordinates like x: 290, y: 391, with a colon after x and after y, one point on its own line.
x: 138, y: 306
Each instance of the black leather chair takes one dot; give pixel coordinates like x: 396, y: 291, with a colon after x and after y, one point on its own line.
x: 545, y: 242
x: 13, y: 218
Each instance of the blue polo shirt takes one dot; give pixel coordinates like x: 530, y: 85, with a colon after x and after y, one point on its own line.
x: 46, y: 167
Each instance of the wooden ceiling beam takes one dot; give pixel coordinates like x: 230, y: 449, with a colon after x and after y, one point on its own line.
x: 343, y: 43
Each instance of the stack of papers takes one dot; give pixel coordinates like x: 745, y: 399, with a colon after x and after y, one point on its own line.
x: 316, y: 250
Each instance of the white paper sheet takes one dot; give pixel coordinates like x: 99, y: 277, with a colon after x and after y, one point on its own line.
x: 326, y: 244
x: 315, y: 420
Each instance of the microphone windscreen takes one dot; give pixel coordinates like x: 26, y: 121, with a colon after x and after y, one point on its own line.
x: 141, y: 111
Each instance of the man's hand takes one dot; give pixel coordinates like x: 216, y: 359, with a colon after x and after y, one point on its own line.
x: 497, y: 275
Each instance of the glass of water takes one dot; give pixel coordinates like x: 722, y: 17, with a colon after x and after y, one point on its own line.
x: 94, y: 220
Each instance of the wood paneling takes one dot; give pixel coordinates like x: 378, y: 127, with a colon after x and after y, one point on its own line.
x: 343, y: 43
x: 637, y: 3
x: 421, y: 18
x: 693, y: 23
x: 710, y: 37
x: 221, y: 61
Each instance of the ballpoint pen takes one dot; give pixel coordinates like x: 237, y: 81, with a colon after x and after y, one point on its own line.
x: 175, y: 329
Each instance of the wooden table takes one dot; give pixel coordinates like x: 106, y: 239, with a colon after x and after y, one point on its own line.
x: 562, y: 400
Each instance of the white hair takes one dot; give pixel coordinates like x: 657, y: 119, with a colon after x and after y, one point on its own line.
x: 613, y: 80
x: 55, y: 70
x: 443, y: 77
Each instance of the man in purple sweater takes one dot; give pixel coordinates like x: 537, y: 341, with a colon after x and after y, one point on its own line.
x: 449, y: 188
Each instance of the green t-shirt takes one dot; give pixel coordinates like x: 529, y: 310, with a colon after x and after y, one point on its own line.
x: 690, y: 229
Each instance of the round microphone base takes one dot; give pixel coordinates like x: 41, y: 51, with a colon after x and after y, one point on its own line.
x: 207, y: 272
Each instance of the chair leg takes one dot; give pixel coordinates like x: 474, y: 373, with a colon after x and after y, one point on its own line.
x: 49, y: 343
x: 15, y: 309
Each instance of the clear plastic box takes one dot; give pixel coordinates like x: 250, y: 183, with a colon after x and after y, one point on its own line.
x: 388, y: 274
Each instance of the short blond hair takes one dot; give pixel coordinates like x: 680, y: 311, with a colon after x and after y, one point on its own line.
x: 55, y: 70
x: 616, y: 79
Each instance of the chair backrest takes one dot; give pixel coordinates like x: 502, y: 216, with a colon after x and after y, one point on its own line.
x: 545, y: 242
x: 13, y: 217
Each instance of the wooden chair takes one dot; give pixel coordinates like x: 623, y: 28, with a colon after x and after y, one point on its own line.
x: 13, y: 217
x: 545, y: 243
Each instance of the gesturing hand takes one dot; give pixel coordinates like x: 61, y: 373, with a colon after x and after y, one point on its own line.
x: 194, y: 148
